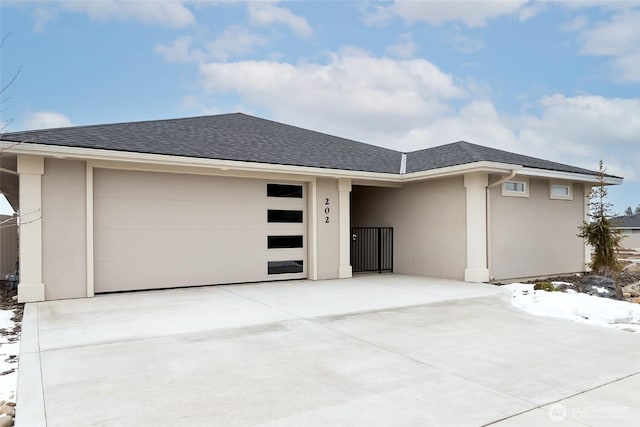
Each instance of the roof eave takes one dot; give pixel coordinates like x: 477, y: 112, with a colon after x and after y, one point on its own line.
x: 569, y: 176
x: 483, y: 166
x: 101, y: 155
x: 101, y: 158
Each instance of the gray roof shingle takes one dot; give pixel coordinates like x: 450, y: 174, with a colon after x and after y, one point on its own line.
x: 632, y: 221
x: 226, y: 137
x: 461, y: 152
x: 241, y: 137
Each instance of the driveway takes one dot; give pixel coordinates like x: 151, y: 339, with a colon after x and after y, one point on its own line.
x: 374, y: 350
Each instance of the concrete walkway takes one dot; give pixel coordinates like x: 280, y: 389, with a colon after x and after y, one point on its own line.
x: 373, y: 350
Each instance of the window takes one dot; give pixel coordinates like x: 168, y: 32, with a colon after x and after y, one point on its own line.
x: 560, y: 191
x: 516, y: 188
x: 281, y: 242
x: 281, y: 190
x: 275, y: 215
x: 284, y: 267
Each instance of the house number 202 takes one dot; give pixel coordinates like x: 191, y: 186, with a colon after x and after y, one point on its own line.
x: 327, y: 210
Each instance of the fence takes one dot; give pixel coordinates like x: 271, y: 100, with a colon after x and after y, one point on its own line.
x: 372, y: 249
x: 8, y: 245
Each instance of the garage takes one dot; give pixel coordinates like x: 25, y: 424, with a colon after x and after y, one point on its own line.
x: 163, y: 230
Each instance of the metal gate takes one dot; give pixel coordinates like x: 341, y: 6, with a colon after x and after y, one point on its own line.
x: 372, y: 249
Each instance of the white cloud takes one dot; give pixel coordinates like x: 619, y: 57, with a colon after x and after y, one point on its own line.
x: 530, y: 10
x: 46, y: 120
x: 583, y: 129
x: 234, y: 42
x: 477, y: 122
x: 463, y: 43
x: 405, y: 47
x: 375, y: 15
x: 179, y: 51
x: 267, y: 13
x: 619, y: 39
x: 171, y: 14
x: 352, y: 91
x: 576, y: 24
x: 42, y: 16
x: 472, y: 13
x: 615, y: 5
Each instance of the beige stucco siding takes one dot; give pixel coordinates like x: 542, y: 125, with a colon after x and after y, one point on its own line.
x: 155, y: 230
x: 429, y: 224
x: 535, y: 235
x: 64, y: 261
x: 328, y: 228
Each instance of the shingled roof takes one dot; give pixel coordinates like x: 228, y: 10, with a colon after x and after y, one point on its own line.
x: 225, y: 137
x: 461, y: 152
x: 628, y: 221
x: 241, y: 137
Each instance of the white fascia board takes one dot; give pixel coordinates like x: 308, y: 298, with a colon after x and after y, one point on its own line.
x: 568, y: 176
x: 97, y: 156
x: 489, y: 167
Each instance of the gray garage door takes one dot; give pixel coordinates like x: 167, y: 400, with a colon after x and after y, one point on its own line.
x: 160, y: 230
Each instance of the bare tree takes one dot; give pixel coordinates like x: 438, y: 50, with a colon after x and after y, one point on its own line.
x: 5, y: 86
x: 28, y: 217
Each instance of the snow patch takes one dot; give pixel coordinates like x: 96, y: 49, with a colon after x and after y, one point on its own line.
x: 576, y: 306
x: 5, y: 319
x: 9, y: 350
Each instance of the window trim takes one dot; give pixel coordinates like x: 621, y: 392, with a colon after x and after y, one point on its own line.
x: 525, y: 184
x: 560, y: 184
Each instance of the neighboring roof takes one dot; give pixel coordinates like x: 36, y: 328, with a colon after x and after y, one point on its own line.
x: 461, y: 152
x: 241, y: 137
x: 632, y: 221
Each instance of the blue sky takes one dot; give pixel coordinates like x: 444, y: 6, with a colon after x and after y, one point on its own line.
x: 557, y: 80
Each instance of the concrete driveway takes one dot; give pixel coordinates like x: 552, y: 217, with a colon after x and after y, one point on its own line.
x: 374, y: 350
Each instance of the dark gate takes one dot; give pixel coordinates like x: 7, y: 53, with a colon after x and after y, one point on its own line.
x: 372, y: 249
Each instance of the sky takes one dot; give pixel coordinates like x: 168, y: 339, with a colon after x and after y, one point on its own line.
x: 555, y: 80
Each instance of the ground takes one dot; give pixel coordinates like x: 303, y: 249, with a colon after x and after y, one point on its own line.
x: 374, y: 350
x: 10, y: 326
x: 628, y: 279
x: 537, y: 303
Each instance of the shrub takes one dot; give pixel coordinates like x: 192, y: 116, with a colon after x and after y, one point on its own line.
x: 544, y: 286
x: 598, y: 232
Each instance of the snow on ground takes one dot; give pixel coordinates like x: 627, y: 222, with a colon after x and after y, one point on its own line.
x: 7, y: 349
x: 576, y: 306
x: 5, y: 319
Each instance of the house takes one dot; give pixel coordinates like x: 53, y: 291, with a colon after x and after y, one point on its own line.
x: 234, y: 198
x: 629, y: 225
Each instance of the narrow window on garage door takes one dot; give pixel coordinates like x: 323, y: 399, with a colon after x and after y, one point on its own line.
x: 285, y: 240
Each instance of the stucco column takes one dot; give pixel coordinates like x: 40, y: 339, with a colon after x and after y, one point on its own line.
x: 475, y: 185
x: 344, y: 191
x: 30, y: 171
